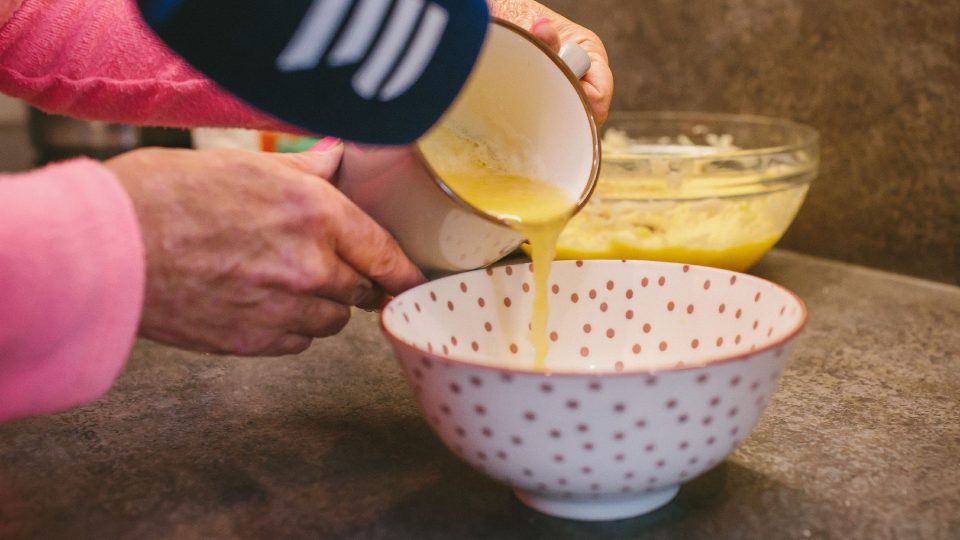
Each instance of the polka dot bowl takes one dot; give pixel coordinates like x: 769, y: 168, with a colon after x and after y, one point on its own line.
x: 656, y: 371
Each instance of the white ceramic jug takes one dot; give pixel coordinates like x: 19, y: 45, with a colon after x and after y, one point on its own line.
x: 520, y: 92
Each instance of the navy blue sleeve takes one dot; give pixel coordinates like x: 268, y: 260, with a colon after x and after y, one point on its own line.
x: 373, y: 71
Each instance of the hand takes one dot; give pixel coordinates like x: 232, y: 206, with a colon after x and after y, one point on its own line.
x: 554, y: 29
x: 252, y: 253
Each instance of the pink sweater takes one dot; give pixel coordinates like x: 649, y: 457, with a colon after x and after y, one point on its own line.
x: 71, y: 254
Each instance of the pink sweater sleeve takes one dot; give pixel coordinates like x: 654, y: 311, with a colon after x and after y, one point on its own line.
x: 71, y: 286
x: 97, y: 59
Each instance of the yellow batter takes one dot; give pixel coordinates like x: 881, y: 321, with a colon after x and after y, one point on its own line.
x: 731, y: 233
x: 691, y: 211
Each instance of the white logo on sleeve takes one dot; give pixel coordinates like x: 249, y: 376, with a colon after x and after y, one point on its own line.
x: 388, y: 70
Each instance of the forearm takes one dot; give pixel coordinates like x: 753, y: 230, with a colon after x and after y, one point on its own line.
x: 96, y: 59
x: 71, y: 286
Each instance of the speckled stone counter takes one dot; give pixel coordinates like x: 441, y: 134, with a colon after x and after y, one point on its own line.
x: 862, y: 440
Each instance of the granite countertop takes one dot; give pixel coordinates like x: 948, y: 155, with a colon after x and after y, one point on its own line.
x: 862, y: 440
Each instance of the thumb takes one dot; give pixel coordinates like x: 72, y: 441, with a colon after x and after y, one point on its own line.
x: 322, y: 159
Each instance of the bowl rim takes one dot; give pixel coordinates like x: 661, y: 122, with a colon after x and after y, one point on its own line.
x: 809, y: 136
x: 710, y: 362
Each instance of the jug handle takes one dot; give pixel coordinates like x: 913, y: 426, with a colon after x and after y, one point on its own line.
x: 575, y: 58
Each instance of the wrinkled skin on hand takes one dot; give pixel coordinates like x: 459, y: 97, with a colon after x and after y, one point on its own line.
x: 554, y: 29
x: 252, y: 253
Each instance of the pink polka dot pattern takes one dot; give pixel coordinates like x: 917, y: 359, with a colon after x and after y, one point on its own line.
x: 601, y: 424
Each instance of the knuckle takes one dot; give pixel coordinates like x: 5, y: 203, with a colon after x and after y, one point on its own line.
x: 293, y: 344
x: 251, y: 344
x: 325, y: 212
x: 336, y: 320
x: 318, y: 217
x: 317, y: 273
x: 387, y: 257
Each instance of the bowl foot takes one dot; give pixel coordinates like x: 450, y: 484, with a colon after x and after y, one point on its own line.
x: 601, y: 508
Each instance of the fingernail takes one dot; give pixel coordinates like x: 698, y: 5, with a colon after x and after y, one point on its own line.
x: 539, y: 22
x: 324, y: 144
x: 377, y: 307
x: 368, y: 296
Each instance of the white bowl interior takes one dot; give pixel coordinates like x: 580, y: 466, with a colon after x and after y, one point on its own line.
x: 605, y: 316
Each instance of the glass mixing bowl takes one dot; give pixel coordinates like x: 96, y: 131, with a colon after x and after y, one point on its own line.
x: 699, y: 188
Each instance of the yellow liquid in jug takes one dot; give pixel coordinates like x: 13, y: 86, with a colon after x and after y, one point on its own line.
x: 536, y: 209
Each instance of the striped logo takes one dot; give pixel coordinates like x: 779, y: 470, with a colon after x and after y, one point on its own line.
x: 394, y: 52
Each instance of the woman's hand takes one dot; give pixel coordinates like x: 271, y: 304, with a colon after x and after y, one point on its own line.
x: 554, y: 29
x: 252, y: 253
